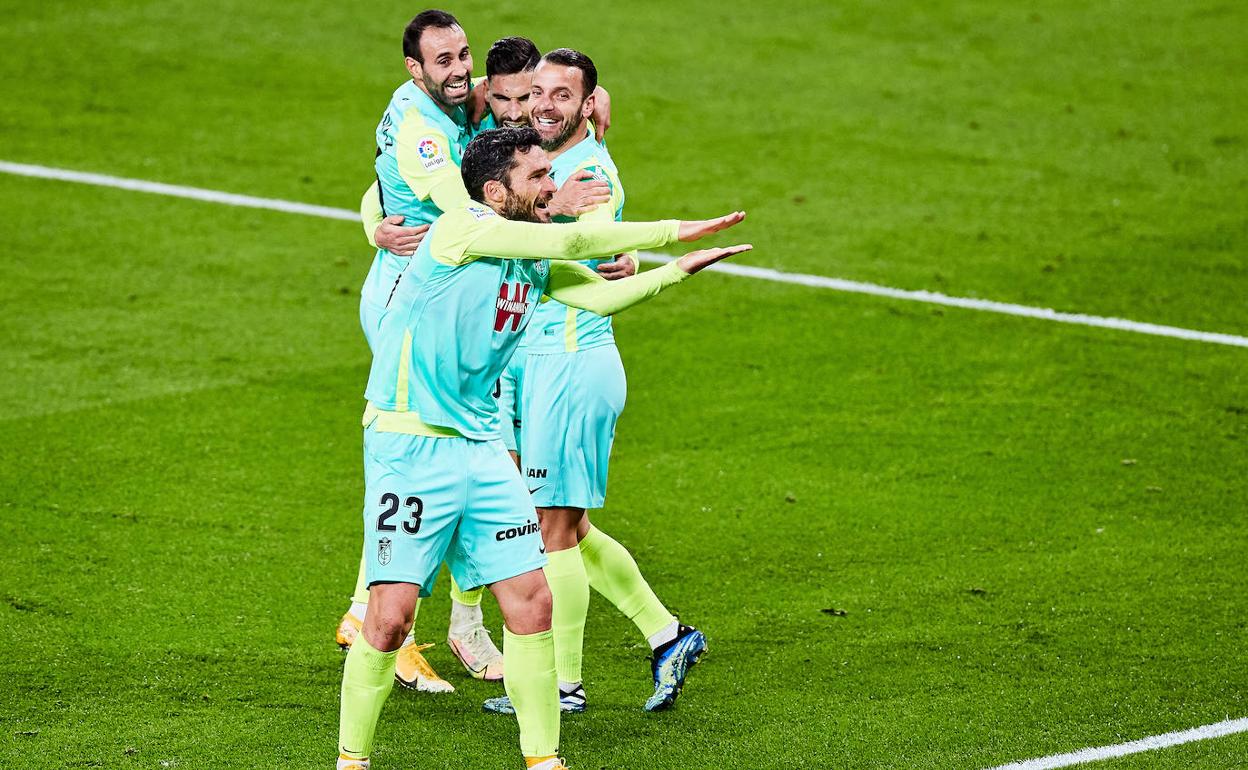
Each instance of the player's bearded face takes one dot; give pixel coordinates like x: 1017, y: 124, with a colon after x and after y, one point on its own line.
x: 557, y: 103
x: 529, y: 189
x: 556, y: 126
x: 509, y: 99
x: 447, y: 65
x: 527, y: 208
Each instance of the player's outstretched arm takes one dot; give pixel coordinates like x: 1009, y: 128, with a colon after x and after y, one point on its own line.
x: 510, y: 239
x: 574, y: 284
x: 699, y: 229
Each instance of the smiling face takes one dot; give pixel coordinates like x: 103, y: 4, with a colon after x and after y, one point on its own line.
x: 445, y: 67
x: 559, y: 105
x: 509, y: 98
x: 528, y: 188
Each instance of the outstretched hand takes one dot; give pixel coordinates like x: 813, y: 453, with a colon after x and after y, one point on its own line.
x: 692, y: 231
x: 697, y: 260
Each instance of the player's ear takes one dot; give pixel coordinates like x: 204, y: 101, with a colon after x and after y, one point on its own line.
x: 413, y: 67
x: 494, y: 191
x: 587, y: 108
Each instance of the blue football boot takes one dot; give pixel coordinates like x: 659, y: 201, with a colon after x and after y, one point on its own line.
x: 670, y: 665
x: 569, y: 702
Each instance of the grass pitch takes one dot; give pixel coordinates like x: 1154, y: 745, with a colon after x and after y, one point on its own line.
x: 1035, y: 533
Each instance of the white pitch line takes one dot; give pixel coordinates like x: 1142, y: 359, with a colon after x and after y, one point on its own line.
x: 1218, y: 730
x: 177, y: 191
x: 746, y: 271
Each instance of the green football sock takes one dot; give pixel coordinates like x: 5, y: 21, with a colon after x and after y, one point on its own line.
x: 569, y: 593
x: 367, y: 679
x: 613, y: 573
x: 471, y: 598
x: 361, y: 586
x: 533, y: 687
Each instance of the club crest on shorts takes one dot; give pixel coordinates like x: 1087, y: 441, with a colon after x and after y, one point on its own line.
x: 383, y: 551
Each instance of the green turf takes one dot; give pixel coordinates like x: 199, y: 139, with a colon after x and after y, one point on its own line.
x: 1036, y: 531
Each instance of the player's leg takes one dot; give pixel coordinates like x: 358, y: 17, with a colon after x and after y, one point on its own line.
x: 569, y: 585
x: 571, y: 404
x: 368, y: 675
x: 614, y: 574
x: 610, y: 568
x: 412, y: 501
x: 349, y: 626
x: 413, y: 669
x: 499, y: 545
x: 529, y: 655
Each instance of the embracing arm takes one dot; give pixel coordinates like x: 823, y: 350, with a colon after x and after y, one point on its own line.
x: 387, y: 232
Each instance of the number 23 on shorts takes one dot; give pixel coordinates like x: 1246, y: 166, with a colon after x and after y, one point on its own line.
x: 413, y: 508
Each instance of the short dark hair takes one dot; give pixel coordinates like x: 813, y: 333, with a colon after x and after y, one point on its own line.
x: 430, y: 19
x: 510, y: 56
x: 570, y: 58
x: 492, y: 155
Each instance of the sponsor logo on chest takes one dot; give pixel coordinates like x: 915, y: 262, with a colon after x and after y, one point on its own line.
x: 511, y: 305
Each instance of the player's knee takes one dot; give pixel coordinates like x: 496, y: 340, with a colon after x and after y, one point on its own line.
x: 531, y: 612
x: 540, y: 603
x: 536, y: 615
x: 559, y: 526
x: 388, y: 628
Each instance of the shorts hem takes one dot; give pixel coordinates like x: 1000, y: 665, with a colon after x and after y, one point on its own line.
x: 569, y: 502
x: 505, y: 573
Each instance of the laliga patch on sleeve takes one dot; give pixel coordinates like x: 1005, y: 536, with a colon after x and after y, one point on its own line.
x: 481, y: 212
x: 431, y: 154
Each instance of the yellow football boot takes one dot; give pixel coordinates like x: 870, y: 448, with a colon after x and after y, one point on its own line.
x: 412, y: 670
x: 348, y: 628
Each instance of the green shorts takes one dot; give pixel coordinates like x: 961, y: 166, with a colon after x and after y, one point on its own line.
x: 571, y: 404
x: 429, y: 500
